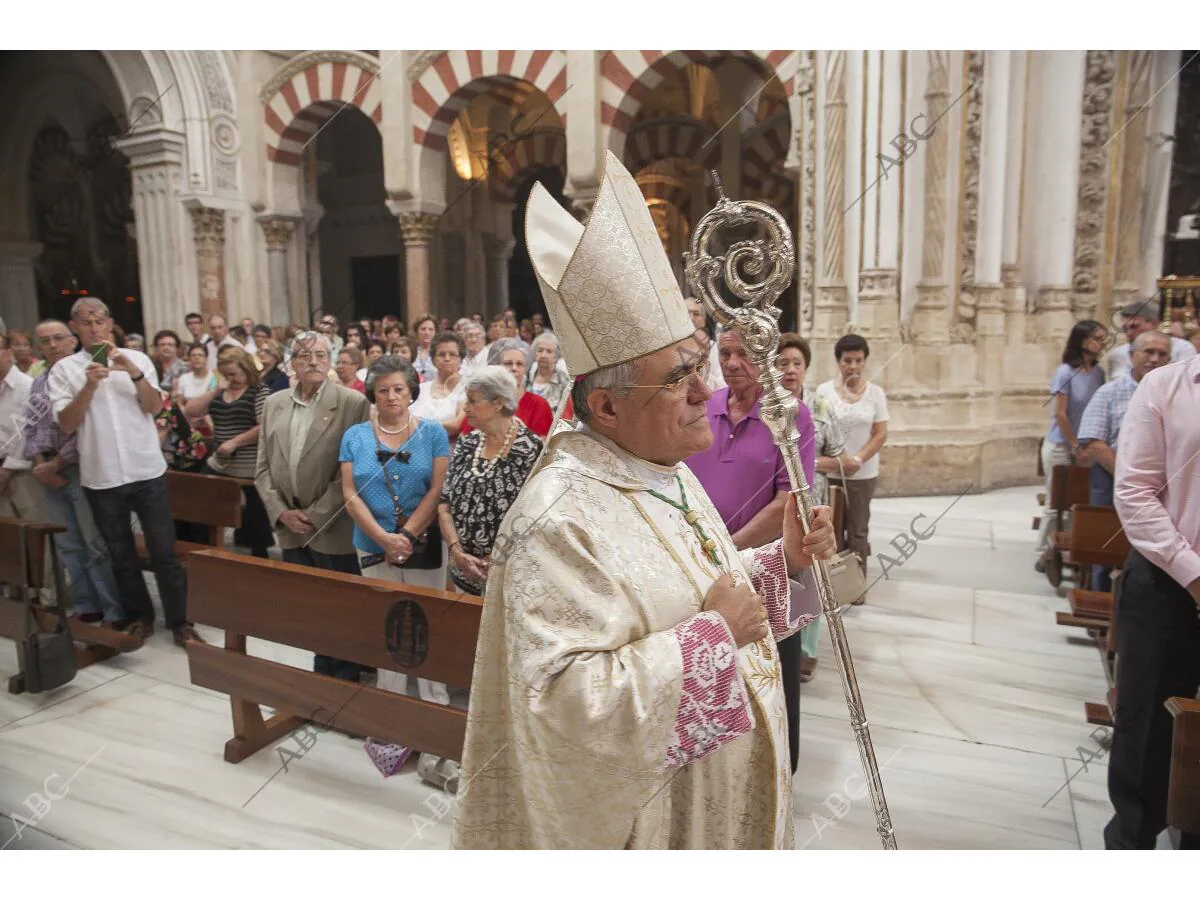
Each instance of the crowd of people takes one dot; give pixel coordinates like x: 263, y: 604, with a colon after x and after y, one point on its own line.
x: 395, y: 453
x: 370, y: 449
x: 1131, y: 416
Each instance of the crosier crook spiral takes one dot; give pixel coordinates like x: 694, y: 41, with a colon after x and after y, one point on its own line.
x: 757, y: 271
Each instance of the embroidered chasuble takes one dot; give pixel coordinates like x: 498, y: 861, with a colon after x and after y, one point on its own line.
x: 607, y: 710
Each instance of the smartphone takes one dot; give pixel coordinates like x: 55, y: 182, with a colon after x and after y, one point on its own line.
x: 100, y: 354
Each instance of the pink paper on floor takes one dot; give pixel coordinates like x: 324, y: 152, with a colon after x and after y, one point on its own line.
x: 388, y: 758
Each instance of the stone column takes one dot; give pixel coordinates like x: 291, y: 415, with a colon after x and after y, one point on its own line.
x: 498, y: 250
x: 208, y: 231
x: 1056, y: 190
x: 804, y: 106
x: 278, y: 231
x: 18, y: 284
x: 989, y: 291
x: 418, y: 230
x: 831, y: 313
x: 166, y: 281
x: 878, y: 297
x: 1134, y: 127
x: 931, y: 315
x: 1014, y: 173
x: 1094, y: 199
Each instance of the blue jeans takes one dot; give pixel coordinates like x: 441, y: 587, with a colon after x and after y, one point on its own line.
x: 1100, y: 493
x: 83, y: 551
x: 149, y: 501
x: 332, y: 562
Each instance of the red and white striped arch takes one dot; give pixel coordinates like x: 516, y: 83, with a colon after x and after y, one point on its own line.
x: 763, y: 153
x: 629, y: 77
x: 670, y: 138
x: 304, y: 102
x: 456, y: 77
x: 541, y: 148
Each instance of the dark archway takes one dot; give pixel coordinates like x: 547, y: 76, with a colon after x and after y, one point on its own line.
x: 524, y: 295
x: 359, y: 240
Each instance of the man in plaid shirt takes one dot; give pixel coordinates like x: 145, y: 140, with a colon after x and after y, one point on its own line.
x: 1101, y: 424
x: 56, y: 468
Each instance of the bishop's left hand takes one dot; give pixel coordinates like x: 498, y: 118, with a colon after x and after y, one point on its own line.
x: 799, y: 549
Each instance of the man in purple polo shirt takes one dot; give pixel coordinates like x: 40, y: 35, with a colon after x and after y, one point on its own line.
x: 744, y: 476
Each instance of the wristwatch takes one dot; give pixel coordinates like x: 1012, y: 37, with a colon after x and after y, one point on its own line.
x: 408, y: 534
x: 140, y: 376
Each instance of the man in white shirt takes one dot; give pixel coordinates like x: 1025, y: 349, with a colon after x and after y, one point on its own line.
x: 19, y: 495
x: 218, y: 337
x: 110, y: 396
x: 1138, y: 318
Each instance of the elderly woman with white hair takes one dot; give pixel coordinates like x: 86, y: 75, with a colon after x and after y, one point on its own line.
x: 487, y: 470
x: 547, y: 378
x: 532, y: 410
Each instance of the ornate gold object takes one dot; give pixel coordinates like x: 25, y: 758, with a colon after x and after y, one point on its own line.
x: 1180, y: 301
x: 756, y: 270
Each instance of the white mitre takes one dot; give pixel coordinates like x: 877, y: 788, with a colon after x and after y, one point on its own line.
x: 608, y: 287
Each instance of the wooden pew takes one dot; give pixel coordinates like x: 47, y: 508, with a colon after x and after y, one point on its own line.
x: 1069, y: 485
x: 1097, y: 539
x: 418, y: 631
x: 98, y: 643
x: 1183, y: 796
x: 837, y: 505
x: 212, y: 500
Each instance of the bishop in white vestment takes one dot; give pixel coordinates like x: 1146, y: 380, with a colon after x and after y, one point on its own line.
x: 625, y: 693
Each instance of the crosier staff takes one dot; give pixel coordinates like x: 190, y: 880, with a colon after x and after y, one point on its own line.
x: 769, y: 262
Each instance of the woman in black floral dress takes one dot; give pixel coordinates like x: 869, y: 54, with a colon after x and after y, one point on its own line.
x: 487, y: 470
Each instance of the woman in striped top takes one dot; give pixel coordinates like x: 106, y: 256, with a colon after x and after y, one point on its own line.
x: 236, y: 410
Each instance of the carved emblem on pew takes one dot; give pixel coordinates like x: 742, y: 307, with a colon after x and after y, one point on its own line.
x: 407, y: 633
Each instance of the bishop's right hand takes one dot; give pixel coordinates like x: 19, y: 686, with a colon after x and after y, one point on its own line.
x: 741, y: 608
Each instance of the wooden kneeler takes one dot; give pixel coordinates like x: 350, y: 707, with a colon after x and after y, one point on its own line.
x: 93, y: 643
x: 418, y: 631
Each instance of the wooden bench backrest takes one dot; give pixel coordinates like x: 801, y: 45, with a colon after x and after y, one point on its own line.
x: 1097, y: 538
x: 1183, y: 797
x: 205, y: 499
x: 32, y: 573
x: 347, y: 617
x: 1069, y: 485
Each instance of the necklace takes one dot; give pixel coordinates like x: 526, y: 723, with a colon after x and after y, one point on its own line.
x: 407, y: 425
x: 707, y: 544
x: 490, y: 464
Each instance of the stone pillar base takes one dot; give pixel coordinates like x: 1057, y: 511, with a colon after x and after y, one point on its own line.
x: 989, y: 334
x: 948, y: 468
x: 830, y: 315
x: 1053, y: 320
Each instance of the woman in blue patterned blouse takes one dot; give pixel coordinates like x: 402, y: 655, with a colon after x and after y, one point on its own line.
x: 392, y: 474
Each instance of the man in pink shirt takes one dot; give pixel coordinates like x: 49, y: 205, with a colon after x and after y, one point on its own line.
x: 1157, y: 497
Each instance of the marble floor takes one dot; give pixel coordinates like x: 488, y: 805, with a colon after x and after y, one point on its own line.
x: 974, y: 695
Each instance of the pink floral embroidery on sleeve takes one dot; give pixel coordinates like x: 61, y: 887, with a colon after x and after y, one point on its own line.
x: 713, y: 708
x: 769, y: 578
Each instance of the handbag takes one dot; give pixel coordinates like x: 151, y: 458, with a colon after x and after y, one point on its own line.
x: 49, y: 656
x: 847, y: 576
x: 427, y: 548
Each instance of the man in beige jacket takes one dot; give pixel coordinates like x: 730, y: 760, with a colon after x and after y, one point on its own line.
x: 298, y: 475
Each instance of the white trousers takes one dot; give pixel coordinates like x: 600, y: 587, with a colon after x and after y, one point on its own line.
x: 397, y: 682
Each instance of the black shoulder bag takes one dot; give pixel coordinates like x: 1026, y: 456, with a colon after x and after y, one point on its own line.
x: 427, y: 549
